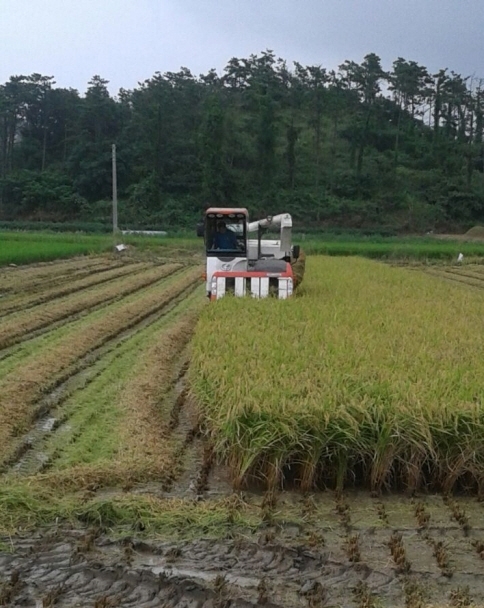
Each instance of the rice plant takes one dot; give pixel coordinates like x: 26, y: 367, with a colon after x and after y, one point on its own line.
x: 371, y: 376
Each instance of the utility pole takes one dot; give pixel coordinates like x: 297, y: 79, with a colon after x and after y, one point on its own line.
x: 115, y: 194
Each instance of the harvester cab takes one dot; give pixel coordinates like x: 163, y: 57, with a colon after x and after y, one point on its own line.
x: 241, y: 265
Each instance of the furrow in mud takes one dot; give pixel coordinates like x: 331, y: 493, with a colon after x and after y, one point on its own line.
x: 182, y: 428
x: 50, y: 418
x: 133, y: 573
x: 21, y: 326
x: 45, y: 461
x: 218, y: 480
x: 22, y: 302
x: 190, y: 460
x: 24, y: 387
x: 183, y: 433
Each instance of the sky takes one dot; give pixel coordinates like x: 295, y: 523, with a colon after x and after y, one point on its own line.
x: 127, y: 41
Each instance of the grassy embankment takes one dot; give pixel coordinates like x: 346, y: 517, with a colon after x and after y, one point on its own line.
x: 372, y: 375
x: 28, y: 247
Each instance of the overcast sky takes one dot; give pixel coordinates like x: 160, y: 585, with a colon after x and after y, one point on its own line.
x: 127, y: 41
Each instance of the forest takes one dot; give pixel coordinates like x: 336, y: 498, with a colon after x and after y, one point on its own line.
x: 354, y: 148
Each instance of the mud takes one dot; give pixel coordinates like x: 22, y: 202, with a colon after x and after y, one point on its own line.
x: 279, y: 565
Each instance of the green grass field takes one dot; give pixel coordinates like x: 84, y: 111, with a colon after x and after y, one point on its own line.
x: 29, y: 247
x: 393, y: 248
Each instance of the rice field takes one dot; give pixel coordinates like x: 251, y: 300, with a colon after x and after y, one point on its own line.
x: 25, y: 247
x: 22, y: 247
x: 424, y: 249
x: 153, y: 446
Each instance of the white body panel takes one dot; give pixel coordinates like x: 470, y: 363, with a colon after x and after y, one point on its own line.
x: 240, y: 287
x: 257, y: 287
x: 214, y: 264
x: 269, y: 249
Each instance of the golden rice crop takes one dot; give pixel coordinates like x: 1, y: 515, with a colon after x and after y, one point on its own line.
x: 370, y: 375
x: 298, y: 268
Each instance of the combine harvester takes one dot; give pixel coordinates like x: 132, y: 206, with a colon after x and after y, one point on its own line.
x: 242, y: 266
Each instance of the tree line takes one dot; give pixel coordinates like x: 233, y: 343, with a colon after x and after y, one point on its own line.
x: 358, y: 146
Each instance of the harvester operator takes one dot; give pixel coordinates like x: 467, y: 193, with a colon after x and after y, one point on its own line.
x: 223, y: 238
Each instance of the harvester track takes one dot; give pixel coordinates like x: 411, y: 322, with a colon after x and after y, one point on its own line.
x: 282, y: 570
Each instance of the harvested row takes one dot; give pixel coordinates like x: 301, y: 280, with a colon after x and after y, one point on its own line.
x: 19, y: 324
x: 139, y: 447
x: 372, y: 375
x: 24, y: 301
x: 459, y: 277
x: 73, y: 422
x: 30, y: 277
x: 20, y: 388
x: 475, y: 270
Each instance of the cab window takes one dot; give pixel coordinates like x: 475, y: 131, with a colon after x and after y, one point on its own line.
x: 225, y: 234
